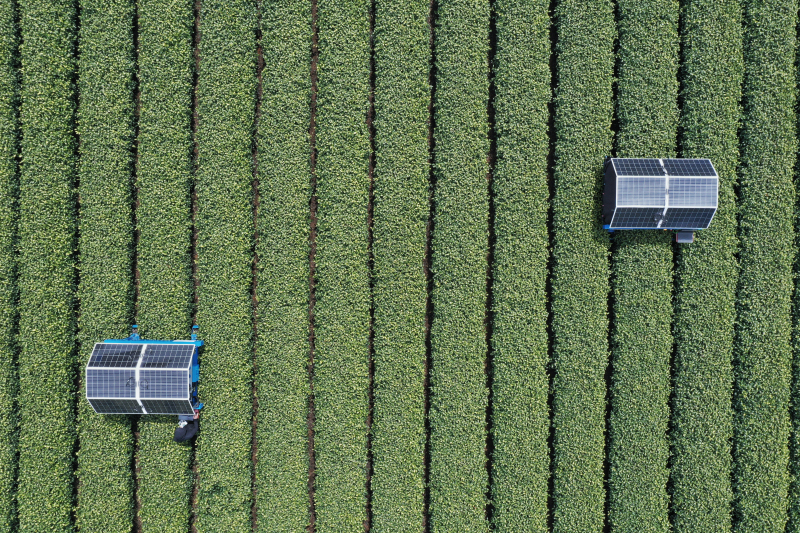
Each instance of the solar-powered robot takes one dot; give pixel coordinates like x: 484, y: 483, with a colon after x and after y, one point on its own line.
x: 665, y: 194
x: 145, y: 377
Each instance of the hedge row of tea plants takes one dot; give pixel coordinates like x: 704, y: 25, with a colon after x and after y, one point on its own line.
x: 763, y: 329
x: 226, y: 92
x: 400, y: 213
x: 521, y: 424
x: 580, y: 286
x: 47, y: 245
x: 647, y: 115
x: 342, y: 311
x: 706, y: 273
x: 163, y: 219
x: 460, y: 244
x: 282, y: 330
x: 9, y: 191
x: 106, y: 130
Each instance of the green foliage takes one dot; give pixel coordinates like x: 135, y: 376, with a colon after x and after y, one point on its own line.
x: 766, y: 207
x: 164, y: 225
x: 282, y: 348
x: 105, y: 126
x: 341, y: 360
x: 585, y: 67
x: 458, y: 473
x: 9, y: 193
x: 401, y: 208
x: 47, y: 226
x: 521, y: 422
x: 642, y: 276
x: 706, y: 274
x: 226, y: 91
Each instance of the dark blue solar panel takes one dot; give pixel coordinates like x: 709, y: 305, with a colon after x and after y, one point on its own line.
x: 688, y: 218
x: 168, y: 356
x: 168, y: 407
x: 115, y: 406
x: 637, y: 167
x: 689, y: 167
x: 106, y: 355
x: 636, y: 217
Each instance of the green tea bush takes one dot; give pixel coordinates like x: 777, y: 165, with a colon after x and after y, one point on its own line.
x: 342, y: 312
x: 762, y: 348
x: 521, y: 423
x: 106, y: 130
x: 282, y: 330
x: 226, y: 92
x: 458, y: 473
x: 402, y: 55
x: 706, y: 274
x: 580, y: 286
x: 47, y: 244
x: 163, y: 220
x: 401, y: 208
x: 9, y: 193
x: 642, y: 284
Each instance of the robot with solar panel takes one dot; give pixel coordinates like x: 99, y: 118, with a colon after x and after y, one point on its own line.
x: 662, y: 194
x: 145, y: 377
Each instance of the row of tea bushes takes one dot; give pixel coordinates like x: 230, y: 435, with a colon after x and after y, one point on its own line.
x: 460, y: 244
x: 226, y: 93
x: 282, y: 250
x: 706, y: 273
x: 342, y: 311
x: 47, y: 245
x: 163, y: 250
x: 106, y: 291
x: 520, y: 425
x: 9, y: 192
x: 580, y: 285
x: 762, y: 347
x: 400, y: 214
x: 641, y: 340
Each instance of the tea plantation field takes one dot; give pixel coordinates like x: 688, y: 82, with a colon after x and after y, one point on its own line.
x: 385, y: 217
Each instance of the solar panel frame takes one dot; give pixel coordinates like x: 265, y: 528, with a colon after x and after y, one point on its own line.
x: 118, y: 371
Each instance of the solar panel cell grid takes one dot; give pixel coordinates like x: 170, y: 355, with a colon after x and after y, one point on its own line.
x: 107, y: 355
x: 168, y: 407
x: 164, y: 384
x: 693, y: 192
x: 641, y: 192
x: 110, y: 383
x: 109, y: 406
x: 168, y: 355
x: 689, y: 167
x: 636, y: 217
x: 688, y: 218
x: 637, y: 167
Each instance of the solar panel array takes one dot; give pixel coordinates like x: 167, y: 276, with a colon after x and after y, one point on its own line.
x: 121, y: 378
x: 687, y: 188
